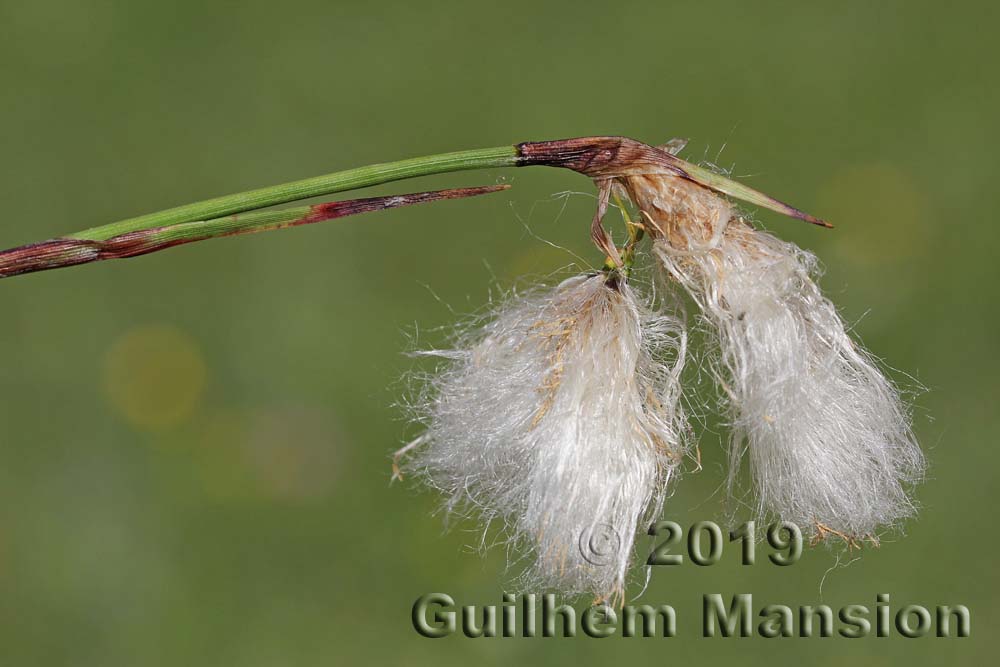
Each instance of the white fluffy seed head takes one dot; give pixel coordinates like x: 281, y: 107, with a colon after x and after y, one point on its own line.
x: 829, y: 439
x: 561, y: 419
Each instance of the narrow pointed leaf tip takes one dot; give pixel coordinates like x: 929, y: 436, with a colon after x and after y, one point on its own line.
x: 736, y: 190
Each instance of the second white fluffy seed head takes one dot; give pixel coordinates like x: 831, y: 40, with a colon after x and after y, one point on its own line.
x: 827, y: 434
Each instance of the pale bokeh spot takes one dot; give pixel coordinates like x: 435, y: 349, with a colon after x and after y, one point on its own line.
x: 293, y: 453
x: 154, y: 376
x: 288, y: 453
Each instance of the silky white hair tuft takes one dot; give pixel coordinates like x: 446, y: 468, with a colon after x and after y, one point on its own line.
x: 561, y: 418
x: 829, y: 439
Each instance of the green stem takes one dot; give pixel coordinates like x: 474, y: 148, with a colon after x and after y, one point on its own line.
x: 599, y: 158
x: 351, y: 179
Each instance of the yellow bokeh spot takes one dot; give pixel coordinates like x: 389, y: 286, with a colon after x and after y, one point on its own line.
x: 879, y: 211
x: 154, y: 376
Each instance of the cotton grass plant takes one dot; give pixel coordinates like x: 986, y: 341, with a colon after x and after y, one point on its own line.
x: 560, y: 418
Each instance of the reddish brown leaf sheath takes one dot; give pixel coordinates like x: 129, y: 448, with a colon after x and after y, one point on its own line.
x: 58, y: 253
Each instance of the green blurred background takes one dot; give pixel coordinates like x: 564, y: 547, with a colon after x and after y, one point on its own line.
x: 194, y: 445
